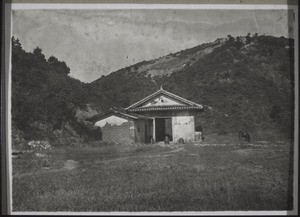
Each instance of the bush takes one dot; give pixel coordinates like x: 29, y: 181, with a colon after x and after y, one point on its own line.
x: 39, y: 145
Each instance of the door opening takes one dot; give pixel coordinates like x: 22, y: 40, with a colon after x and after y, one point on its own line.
x: 163, y: 128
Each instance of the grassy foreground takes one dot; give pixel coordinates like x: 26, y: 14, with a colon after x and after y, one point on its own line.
x: 189, y: 177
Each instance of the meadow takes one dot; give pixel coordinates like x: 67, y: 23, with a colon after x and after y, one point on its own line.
x: 217, y: 174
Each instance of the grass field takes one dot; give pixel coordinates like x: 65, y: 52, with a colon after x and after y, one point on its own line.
x: 203, y: 176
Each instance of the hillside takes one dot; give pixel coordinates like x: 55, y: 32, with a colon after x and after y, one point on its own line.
x: 45, y: 100
x: 244, y: 83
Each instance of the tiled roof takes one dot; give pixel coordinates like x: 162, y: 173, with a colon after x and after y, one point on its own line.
x: 164, y: 108
x: 121, y: 114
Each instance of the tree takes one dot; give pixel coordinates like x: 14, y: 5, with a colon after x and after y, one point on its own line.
x: 52, y: 60
x: 37, y: 52
x: 16, y: 43
x: 248, y: 39
x: 59, y: 66
x: 230, y: 39
x: 238, y: 44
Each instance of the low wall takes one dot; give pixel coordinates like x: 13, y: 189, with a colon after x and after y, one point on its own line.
x: 118, y: 134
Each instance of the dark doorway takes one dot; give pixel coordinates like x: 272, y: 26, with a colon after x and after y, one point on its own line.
x: 163, y: 128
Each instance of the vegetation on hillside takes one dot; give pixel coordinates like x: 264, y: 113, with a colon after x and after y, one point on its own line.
x: 245, y: 82
x: 45, y: 99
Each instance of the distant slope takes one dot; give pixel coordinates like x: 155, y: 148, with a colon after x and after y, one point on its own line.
x: 244, y: 83
x: 171, y: 63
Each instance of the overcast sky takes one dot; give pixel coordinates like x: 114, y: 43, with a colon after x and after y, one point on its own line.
x: 96, y: 42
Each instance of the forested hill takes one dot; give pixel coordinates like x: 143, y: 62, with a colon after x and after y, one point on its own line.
x: 45, y: 99
x: 244, y: 82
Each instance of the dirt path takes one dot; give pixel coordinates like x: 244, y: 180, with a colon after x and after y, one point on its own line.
x: 177, y: 149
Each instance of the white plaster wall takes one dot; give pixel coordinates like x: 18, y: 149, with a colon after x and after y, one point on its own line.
x: 111, y: 120
x: 183, y: 127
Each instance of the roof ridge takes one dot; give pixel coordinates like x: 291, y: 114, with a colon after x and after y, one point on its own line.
x: 145, y: 99
x: 161, y: 90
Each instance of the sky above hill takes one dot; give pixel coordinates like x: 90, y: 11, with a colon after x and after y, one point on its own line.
x: 96, y: 42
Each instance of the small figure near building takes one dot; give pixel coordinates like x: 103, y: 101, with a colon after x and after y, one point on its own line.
x: 244, y: 136
x: 167, y: 140
x: 181, y: 140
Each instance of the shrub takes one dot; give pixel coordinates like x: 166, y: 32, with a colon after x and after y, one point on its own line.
x: 39, y: 145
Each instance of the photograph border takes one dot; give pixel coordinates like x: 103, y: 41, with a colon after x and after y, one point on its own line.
x: 6, y: 157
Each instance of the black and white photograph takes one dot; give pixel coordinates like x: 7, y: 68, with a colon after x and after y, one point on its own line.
x: 153, y: 108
